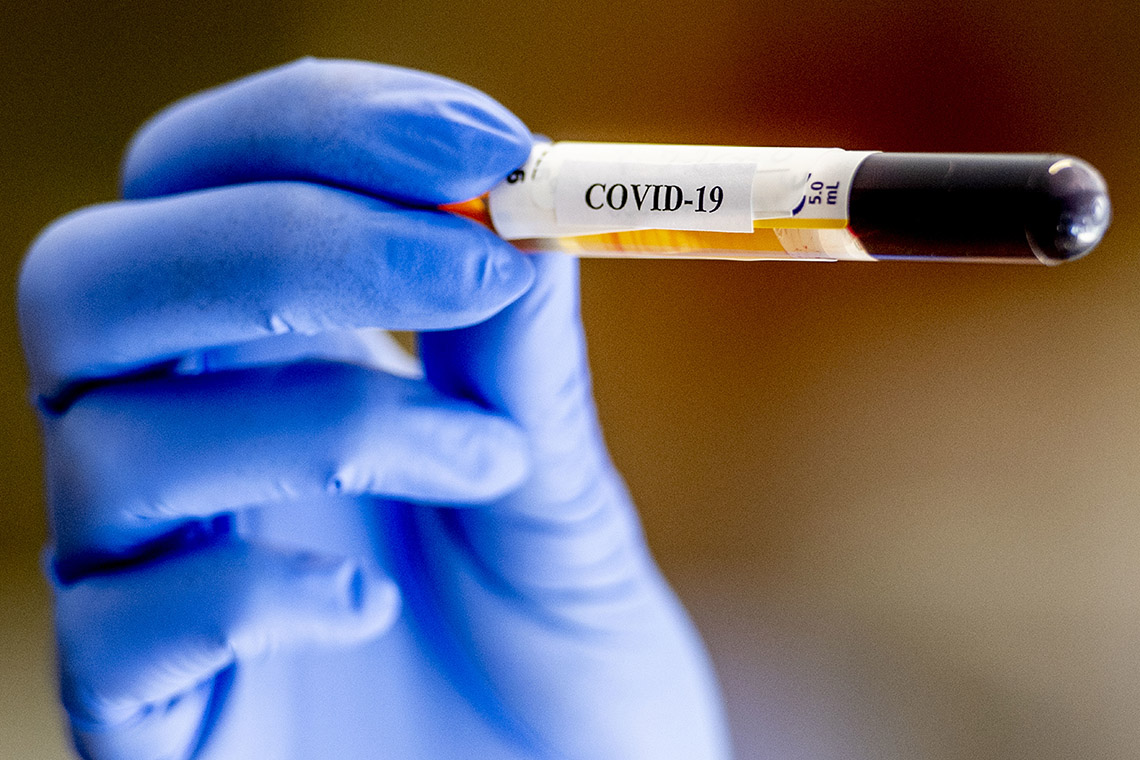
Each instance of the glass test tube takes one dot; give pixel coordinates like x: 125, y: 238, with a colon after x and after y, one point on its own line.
x: 628, y: 200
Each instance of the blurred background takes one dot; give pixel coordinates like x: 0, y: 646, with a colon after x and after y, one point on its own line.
x: 901, y: 501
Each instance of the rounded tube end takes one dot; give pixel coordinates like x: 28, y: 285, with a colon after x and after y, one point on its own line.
x: 1074, y: 214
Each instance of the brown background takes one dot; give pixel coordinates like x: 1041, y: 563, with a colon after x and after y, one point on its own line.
x: 901, y: 500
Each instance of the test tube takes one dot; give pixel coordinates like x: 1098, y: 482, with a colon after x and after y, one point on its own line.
x: 630, y: 200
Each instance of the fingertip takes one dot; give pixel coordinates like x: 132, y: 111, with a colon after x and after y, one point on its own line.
x: 470, y: 274
x: 495, y: 460
x: 511, y: 465
x: 371, y: 601
x: 359, y: 601
x: 486, y: 143
x: 451, y: 453
x: 508, y: 271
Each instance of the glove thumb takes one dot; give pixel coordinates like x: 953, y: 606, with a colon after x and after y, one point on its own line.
x: 571, y: 526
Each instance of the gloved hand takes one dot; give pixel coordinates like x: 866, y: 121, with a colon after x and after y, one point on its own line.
x: 271, y: 538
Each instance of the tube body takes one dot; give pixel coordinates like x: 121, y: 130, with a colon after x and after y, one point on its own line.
x: 631, y: 200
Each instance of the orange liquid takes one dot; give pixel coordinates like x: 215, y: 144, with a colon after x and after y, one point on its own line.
x: 763, y: 243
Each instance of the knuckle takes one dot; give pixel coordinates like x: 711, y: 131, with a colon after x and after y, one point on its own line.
x: 46, y: 265
x: 87, y: 484
x: 79, y: 474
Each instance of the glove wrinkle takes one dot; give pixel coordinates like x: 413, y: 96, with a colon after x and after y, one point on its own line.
x: 435, y: 627
x: 221, y: 685
x: 578, y: 611
x: 57, y: 404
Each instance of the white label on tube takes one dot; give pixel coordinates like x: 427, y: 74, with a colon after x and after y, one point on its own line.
x: 713, y: 197
x: 570, y: 188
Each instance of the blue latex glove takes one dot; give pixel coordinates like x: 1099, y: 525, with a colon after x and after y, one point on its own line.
x: 271, y: 539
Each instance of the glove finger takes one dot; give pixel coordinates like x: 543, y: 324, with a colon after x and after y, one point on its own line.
x: 139, y: 650
x: 129, y: 463
x: 114, y: 288
x: 570, y: 525
x: 384, y: 130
